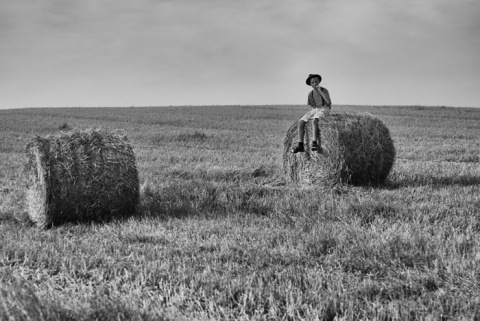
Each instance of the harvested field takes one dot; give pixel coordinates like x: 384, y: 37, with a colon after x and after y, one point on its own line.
x: 219, y: 235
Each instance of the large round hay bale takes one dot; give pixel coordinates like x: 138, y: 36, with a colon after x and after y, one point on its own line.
x: 80, y: 176
x: 356, y: 149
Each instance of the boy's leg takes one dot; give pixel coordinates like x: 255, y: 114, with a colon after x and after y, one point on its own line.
x: 301, y: 130
x: 314, y: 134
x: 315, y: 129
x: 322, y: 113
x: 301, y: 134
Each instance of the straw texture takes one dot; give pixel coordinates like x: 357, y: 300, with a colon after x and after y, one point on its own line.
x: 356, y: 149
x: 80, y: 176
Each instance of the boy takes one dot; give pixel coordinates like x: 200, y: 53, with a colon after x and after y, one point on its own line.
x: 319, y: 100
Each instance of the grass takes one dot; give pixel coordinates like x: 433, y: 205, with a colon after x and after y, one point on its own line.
x: 220, y: 236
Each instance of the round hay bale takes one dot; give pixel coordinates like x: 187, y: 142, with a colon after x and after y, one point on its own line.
x: 80, y: 176
x: 356, y: 149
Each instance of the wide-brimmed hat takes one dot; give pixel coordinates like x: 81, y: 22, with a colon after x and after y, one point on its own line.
x: 312, y: 76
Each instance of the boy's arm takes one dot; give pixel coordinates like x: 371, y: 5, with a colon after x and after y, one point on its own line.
x: 326, y: 96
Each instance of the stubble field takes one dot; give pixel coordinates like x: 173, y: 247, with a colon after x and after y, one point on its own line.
x: 219, y: 235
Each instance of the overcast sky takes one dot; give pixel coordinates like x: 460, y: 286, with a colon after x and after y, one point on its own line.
x: 215, y: 52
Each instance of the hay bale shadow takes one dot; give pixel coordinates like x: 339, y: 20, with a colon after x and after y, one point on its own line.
x: 427, y: 180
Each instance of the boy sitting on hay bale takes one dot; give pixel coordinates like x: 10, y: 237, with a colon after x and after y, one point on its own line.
x: 319, y: 100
